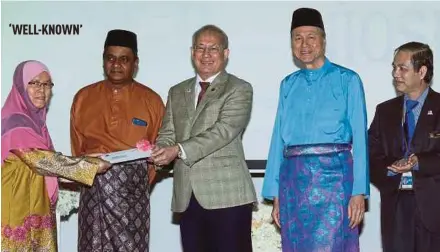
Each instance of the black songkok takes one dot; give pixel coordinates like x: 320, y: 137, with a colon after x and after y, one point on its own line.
x: 306, y: 17
x: 122, y: 38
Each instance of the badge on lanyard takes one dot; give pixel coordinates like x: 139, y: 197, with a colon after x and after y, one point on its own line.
x: 406, y: 182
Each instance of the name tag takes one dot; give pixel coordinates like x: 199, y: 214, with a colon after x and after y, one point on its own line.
x: 406, y: 183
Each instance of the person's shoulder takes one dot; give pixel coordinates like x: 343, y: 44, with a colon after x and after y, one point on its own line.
x: 183, y: 85
x: 434, y: 94
x: 86, y: 95
x: 236, y: 81
x: 433, y: 97
x: 145, y: 90
x: 88, y: 88
x: 288, y: 80
x: 390, y: 103
x: 343, y: 70
x: 292, y: 75
x: 349, y: 77
x: 17, y: 120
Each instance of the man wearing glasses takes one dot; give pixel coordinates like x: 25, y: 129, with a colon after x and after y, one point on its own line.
x: 108, y: 116
x: 202, y: 129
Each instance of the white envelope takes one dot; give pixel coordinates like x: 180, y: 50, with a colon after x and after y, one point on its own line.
x: 125, y: 155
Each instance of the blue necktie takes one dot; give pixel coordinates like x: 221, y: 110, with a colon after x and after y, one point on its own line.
x: 410, y: 122
x: 410, y: 125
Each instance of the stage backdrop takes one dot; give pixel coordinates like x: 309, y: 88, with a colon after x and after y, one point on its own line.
x: 69, y: 38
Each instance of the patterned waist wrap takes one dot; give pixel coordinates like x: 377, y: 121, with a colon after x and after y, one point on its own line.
x: 315, y: 149
x: 315, y: 187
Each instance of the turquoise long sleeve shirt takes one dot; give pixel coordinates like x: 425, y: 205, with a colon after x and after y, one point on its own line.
x: 325, y: 105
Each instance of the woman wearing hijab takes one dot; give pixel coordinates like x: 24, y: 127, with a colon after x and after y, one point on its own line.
x: 30, y: 166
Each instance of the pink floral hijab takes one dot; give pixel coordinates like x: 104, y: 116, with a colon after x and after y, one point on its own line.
x: 24, y: 125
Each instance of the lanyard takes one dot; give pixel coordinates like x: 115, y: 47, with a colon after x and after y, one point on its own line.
x: 406, y: 143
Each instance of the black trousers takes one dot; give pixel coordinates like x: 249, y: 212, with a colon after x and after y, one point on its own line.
x: 218, y: 230
x: 410, y: 235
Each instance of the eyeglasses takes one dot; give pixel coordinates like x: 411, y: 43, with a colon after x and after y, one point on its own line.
x: 45, y: 85
x: 112, y: 59
x: 208, y: 49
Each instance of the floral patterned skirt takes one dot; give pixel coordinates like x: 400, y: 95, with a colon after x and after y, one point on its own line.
x: 38, y: 233
x: 28, y: 217
x: 315, y: 188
